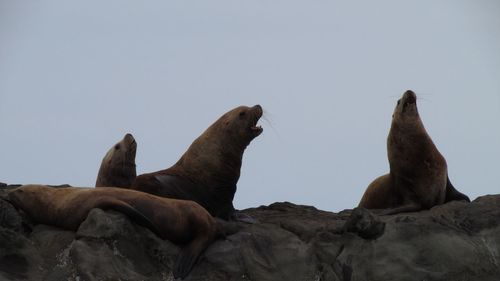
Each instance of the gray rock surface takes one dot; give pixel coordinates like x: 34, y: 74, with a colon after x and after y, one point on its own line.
x: 456, y: 241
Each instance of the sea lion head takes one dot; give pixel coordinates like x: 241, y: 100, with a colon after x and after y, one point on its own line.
x: 232, y: 132
x: 123, y: 152
x: 28, y: 195
x: 215, y: 157
x: 118, y: 165
x: 406, y: 108
x: 239, y: 126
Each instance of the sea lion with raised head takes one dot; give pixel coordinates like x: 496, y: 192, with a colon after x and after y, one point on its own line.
x: 418, y: 177
x: 180, y: 221
x: 118, y: 165
x: 209, y: 170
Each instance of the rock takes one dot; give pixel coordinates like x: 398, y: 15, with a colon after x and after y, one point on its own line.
x: 455, y: 241
x: 53, y: 245
x: 9, y: 217
x: 365, y: 224
x: 110, y: 246
x: 19, y: 258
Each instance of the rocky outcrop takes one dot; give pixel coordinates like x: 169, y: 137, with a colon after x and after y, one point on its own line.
x: 455, y: 241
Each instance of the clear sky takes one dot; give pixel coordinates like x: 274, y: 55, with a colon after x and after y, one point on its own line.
x: 75, y: 76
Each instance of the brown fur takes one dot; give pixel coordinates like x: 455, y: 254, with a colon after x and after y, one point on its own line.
x: 183, y: 222
x: 418, y: 177
x: 209, y: 170
x: 118, y: 165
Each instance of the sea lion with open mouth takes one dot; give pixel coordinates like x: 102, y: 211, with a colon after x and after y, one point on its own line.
x: 209, y: 170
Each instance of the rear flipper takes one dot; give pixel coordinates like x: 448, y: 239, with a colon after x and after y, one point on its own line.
x: 190, y: 253
x: 452, y: 194
x: 185, y: 263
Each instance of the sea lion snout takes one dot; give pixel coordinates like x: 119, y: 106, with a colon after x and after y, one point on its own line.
x: 407, y: 104
x: 410, y: 97
x: 129, y: 138
x: 258, y: 109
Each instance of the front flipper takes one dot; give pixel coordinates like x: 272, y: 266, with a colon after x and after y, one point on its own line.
x: 412, y: 207
x: 452, y: 194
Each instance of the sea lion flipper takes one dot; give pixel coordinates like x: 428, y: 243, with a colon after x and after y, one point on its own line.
x: 411, y: 207
x: 185, y: 263
x: 129, y: 211
x: 452, y: 194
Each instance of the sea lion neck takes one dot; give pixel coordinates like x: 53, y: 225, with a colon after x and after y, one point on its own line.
x: 215, y: 157
x: 210, y: 161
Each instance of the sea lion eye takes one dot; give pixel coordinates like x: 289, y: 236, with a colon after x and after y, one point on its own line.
x: 117, y: 146
x: 242, y: 113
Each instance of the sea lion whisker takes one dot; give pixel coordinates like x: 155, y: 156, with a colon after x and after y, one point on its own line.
x: 269, y: 122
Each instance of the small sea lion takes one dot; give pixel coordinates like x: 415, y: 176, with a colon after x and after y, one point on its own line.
x: 209, y: 170
x: 118, y: 165
x: 418, y: 177
x: 180, y: 221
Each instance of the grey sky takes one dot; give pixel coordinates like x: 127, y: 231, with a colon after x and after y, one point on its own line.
x: 75, y: 76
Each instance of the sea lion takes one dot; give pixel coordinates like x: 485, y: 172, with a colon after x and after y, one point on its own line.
x: 118, y: 165
x: 180, y: 221
x: 209, y: 170
x: 418, y: 177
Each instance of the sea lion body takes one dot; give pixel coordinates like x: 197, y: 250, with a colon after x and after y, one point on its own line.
x: 209, y: 170
x: 182, y: 222
x: 118, y: 165
x: 418, y: 177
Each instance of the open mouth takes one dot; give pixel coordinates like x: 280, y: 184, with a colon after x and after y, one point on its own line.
x: 256, y: 129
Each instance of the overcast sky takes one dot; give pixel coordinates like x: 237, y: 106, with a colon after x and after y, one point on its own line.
x: 75, y: 76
